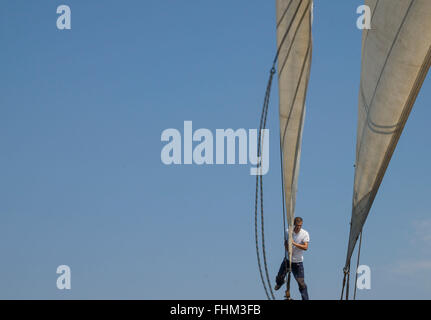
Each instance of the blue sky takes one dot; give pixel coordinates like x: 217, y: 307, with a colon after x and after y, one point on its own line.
x: 82, y: 183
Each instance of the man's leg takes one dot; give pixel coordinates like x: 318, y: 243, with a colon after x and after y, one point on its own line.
x: 279, y: 280
x: 298, y: 273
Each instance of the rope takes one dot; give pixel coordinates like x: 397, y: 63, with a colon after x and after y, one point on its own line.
x: 347, y: 286
x: 346, y: 272
x: 357, y: 266
x: 287, y: 294
x: 259, y: 182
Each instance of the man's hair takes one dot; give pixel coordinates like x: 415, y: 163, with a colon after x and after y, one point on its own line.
x: 297, y: 219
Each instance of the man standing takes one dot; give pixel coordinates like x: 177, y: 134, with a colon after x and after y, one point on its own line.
x: 301, y: 238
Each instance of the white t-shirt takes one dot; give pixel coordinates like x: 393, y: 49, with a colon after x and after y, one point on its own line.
x: 300, y: 238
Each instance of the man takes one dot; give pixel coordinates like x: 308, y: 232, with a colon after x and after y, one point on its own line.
x: 301, y: 238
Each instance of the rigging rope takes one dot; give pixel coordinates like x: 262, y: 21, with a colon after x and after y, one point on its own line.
x: 357, y: 266
x: 287, y: 294
x: 347, y: 286
x: 259, y: 182
x: 346, y: 272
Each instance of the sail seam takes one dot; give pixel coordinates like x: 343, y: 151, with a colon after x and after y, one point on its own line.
x: 284, y: 14
x: 367, y: 30
x: 286, y: 33
x: 296, y: 94
x: 294, y: 37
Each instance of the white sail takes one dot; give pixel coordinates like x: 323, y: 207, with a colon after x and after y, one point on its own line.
x: 294, y: 18
x: 396, y: 57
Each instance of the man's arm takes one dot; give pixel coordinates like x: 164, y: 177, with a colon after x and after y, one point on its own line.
x: 301, y: 246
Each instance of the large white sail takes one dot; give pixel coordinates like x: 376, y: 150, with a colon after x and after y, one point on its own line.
x: 396, y: 56
x: 294, y: 19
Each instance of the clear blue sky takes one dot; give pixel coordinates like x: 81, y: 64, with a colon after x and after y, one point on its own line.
x: 82, y: 183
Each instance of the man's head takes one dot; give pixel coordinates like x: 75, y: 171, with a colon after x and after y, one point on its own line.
x: 297, y: 224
